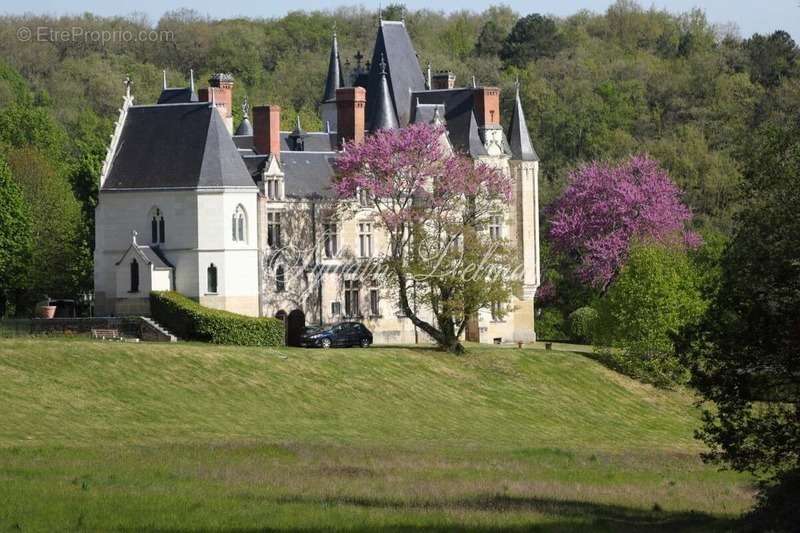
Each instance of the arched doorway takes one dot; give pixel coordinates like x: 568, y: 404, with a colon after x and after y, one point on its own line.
x: 281, y: 315
x: 295, y: 324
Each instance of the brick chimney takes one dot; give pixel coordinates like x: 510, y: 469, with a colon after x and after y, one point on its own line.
x: 220, y: 91
x: 267, y: 130
x: 443, y: 80
x: 350, y: 107
x: 487, y: 106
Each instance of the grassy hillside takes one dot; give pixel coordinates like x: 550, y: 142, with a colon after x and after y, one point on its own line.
x: 104, y: 435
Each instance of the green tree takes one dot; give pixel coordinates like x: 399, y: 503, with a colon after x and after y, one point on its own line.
x: 745, y: 354
x: 531, y: 38
x: 772, y: 58
x: 655, y: 295
x: 490, y: 40
x: 15, y: 239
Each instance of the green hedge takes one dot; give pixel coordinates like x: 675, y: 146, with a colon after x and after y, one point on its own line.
x: 189, y: 320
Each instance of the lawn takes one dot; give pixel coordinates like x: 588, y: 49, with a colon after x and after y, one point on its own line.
x: 187, y: 437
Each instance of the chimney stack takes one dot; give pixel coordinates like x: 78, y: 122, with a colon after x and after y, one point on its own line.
x: 220, y: 91
x: 267, y: 130
x: 350, y: 107
x: 487, y: 106
x: 444, y: 80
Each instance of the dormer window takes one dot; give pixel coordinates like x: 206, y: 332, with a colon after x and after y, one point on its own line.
x: 363, y: 197
x: 273, y: 188
x: 157, y: 226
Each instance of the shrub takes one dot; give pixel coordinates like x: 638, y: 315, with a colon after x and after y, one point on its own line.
x: 655, y: 295
x: 189, y: 320
x: 581, y: 322
x: 550, y: 325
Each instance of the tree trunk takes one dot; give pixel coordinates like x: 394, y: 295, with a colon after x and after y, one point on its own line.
x: 446, y: 342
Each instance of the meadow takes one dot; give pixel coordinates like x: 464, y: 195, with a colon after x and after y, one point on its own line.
x: 190, y: 437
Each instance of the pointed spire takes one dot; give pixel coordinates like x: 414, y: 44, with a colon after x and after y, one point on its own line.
x: 191, y: 79
x: 334, y: 79
x: 519, y: 138
x: 165, y: 78
x: 385, y: 116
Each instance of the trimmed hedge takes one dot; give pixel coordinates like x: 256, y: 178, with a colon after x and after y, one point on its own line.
x: 189, y: 320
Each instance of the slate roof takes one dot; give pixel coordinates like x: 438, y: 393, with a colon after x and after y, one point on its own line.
x: 177, y: 95
x: 402, y: 66
x: 334, y: 79
x: 519, y: 138
x: 384, y: 117
x: 153, y: 255
x: 175, y: 146
x: 245, y: 128
x: 458, y: 116
x: 315, y: 141
x: 304, y: 173
x: 425, y: 113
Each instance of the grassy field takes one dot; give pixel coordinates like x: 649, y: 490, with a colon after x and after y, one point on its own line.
x: 188, y: 437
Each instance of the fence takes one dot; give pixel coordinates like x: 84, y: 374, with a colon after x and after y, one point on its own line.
x: 132, y: 326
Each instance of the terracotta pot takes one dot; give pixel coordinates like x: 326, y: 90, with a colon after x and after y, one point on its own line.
x: 47, y: 311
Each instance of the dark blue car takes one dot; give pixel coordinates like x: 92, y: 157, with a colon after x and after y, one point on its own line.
x: 342, y: 334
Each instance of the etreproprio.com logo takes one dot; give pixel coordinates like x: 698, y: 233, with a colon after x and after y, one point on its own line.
x: 79, y: 34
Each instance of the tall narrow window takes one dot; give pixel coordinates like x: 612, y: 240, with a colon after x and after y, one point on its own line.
x: 374, y: 302
x: 363, y: 198
x: 274, y: 230
x: 134, y: 276
x: 365, y: 240
x: 497, y: 311
x: 280, y: 279
x: 331, y: 239
x: 273, y: 189
x: 351, y: 294
x: 212, y: 279
x: 239, y: 225
x: 157, y: 227
x: 496, y: 227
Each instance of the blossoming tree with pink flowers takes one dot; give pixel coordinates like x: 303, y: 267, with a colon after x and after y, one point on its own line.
x: 607, y: 207
x: 434, y: 207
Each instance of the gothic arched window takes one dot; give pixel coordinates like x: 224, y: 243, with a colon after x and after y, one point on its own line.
x: 212, y: 278
x: 157, y: 226
x: 239, y: 225
x: 134, y: 276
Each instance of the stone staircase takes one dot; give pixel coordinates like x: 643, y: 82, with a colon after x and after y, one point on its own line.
x: 152, y: 331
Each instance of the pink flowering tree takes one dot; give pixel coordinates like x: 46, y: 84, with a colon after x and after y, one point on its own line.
x: 606, y: 207
x: 433, y: 207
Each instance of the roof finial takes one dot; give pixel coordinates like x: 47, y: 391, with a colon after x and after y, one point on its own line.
x: 474, y: 83
x: 382, y: 64
x: 327, y: 126
x: 128, y: 83
x: 191, y: 79
x: 134, y: 234
x: 380, y: 12
x: 245, y: 107
x: 213, y: 96
x: 297, y: 122
x: 403, y: 13
x: 516, y: 84
x: 165, y: 78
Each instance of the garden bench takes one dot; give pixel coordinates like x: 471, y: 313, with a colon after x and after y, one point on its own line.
x: 105, y: 334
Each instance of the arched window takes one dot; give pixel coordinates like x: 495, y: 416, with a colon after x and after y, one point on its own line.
x: 239, y: 225
x: 157, y: 226
x: 212, y: 278
x: 134, y: 276
x: 280, y: 279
